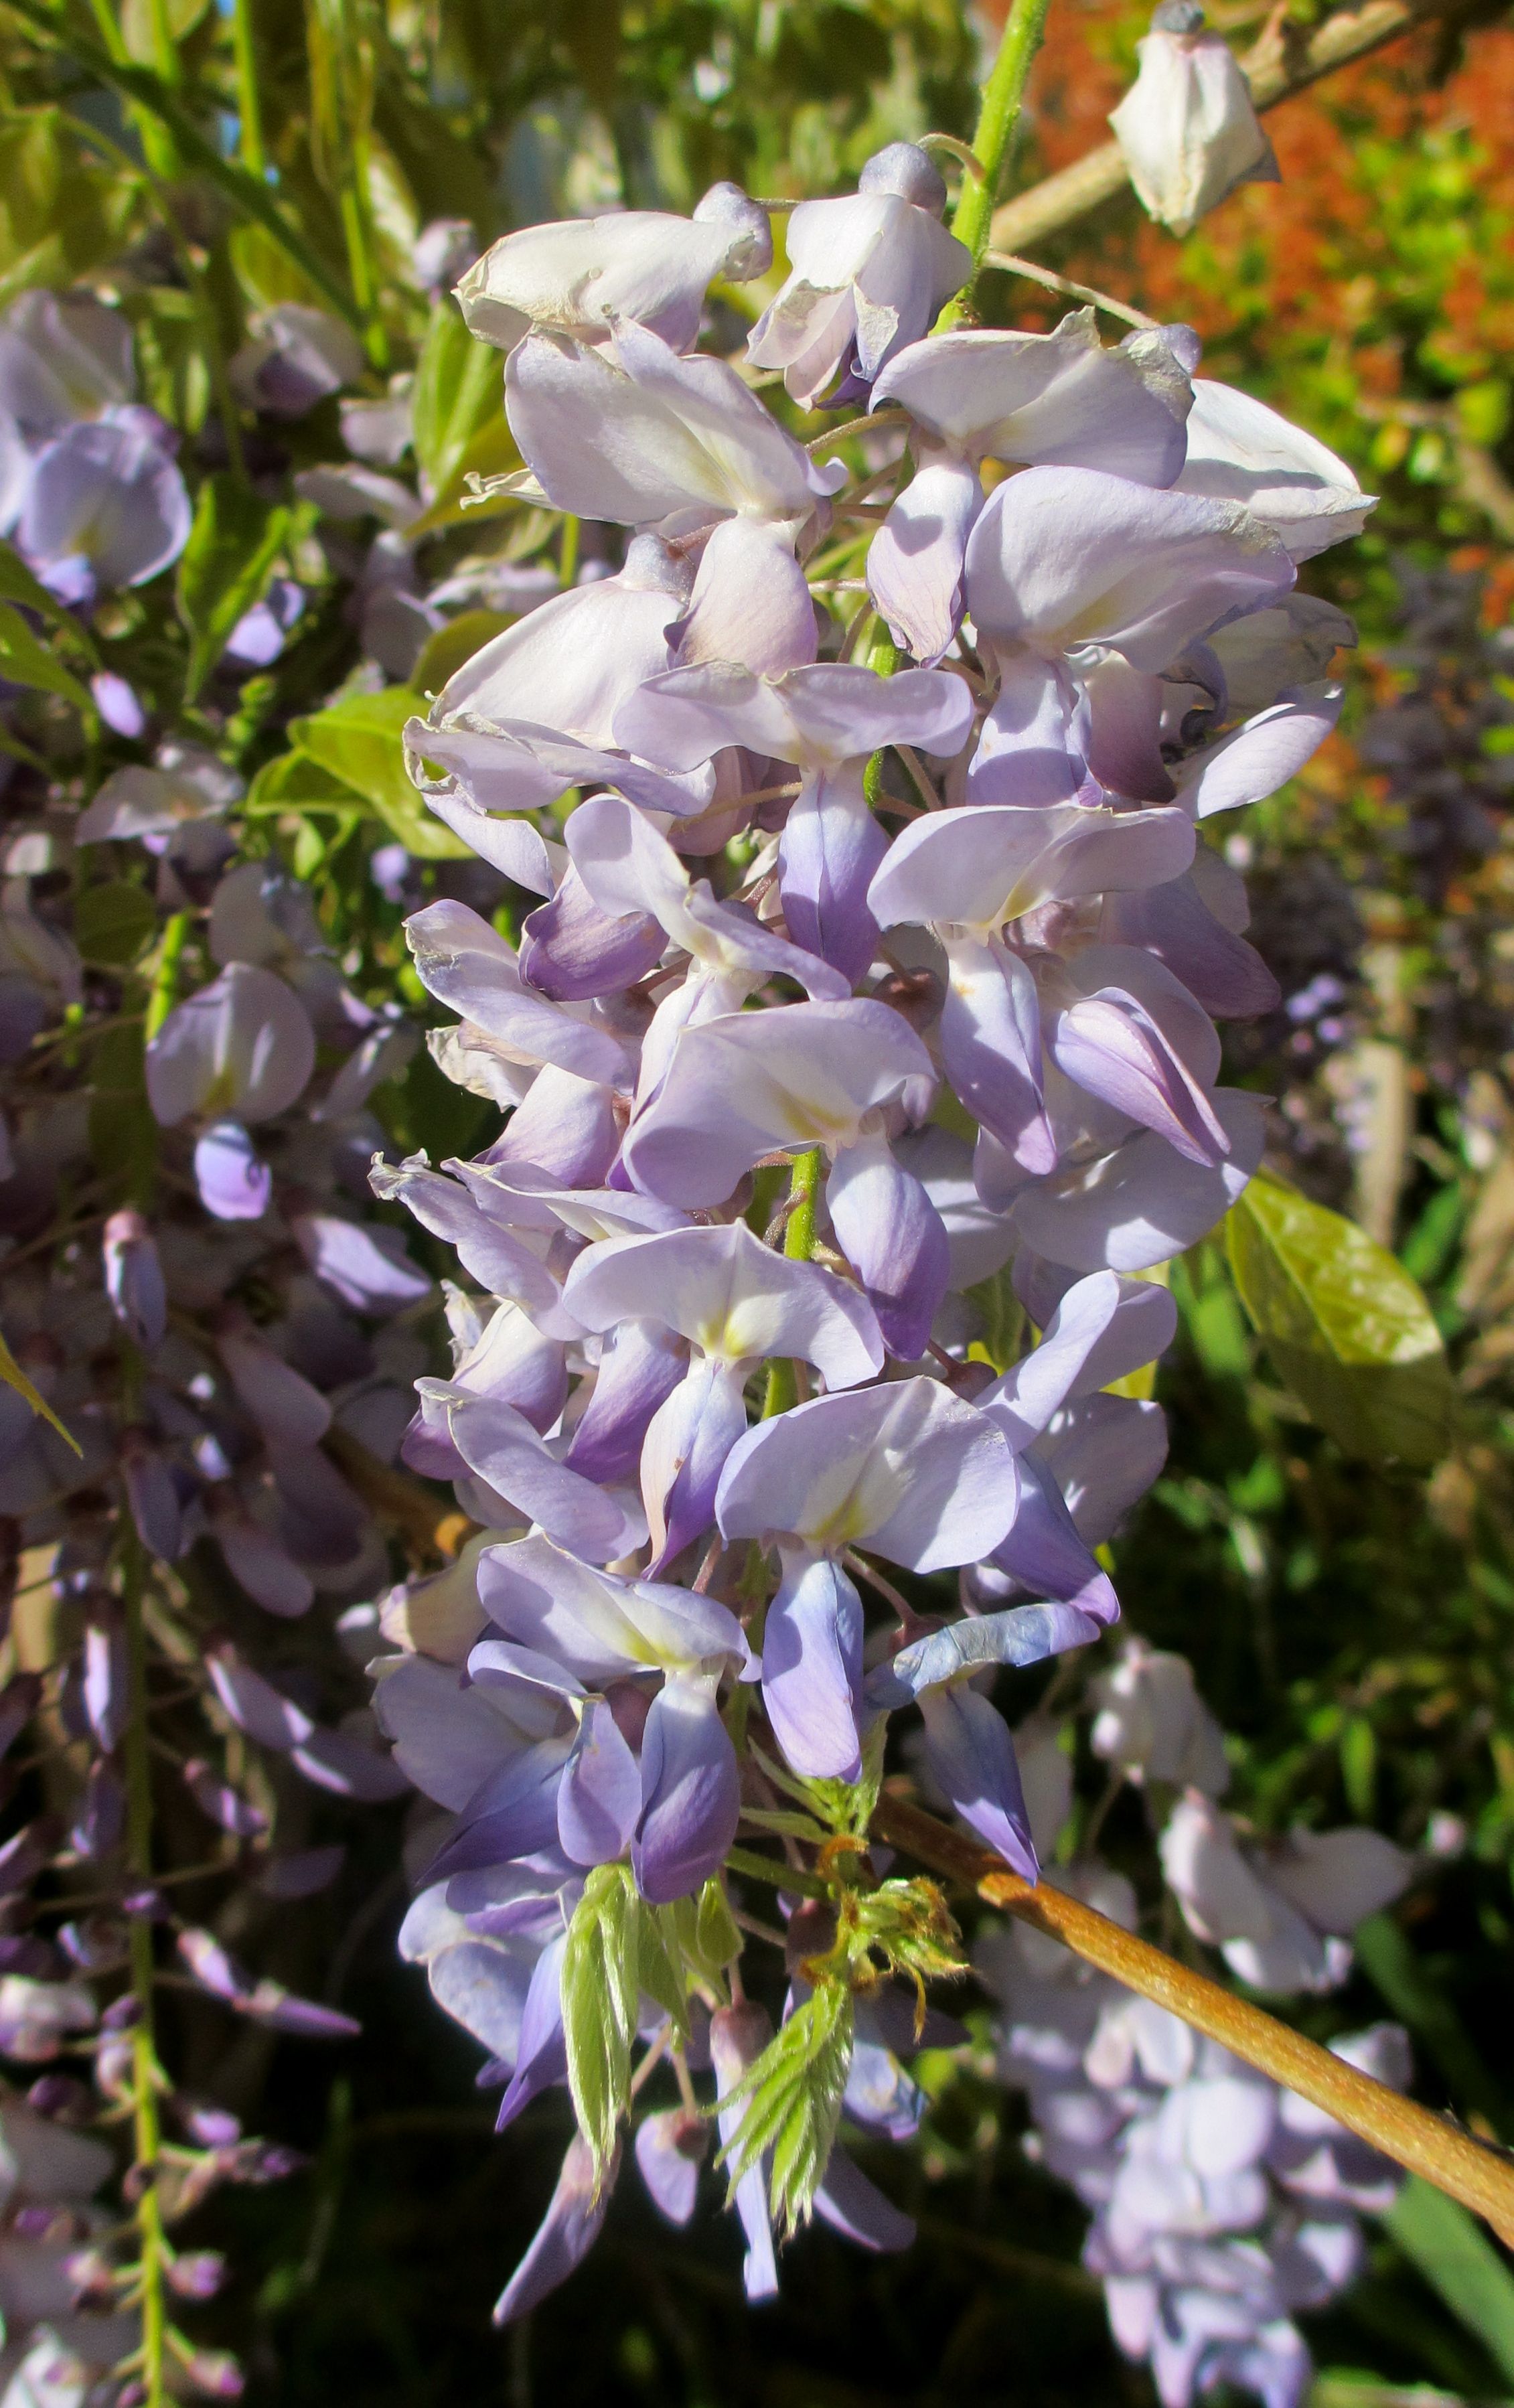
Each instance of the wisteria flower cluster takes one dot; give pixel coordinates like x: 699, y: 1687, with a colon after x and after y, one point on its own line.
x: 210, y: 1341
x: 1221, y: 2204
x: 867, y: 1015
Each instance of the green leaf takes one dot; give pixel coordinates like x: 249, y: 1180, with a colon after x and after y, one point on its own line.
x: 1004, y: 1321
x: 1348, y: 1329
x: 112, y: 922
x: 660, y: 1963
x: 459, y: 391
x: 1459, y: 2261
x: 14, y: 1377
x: 702, y: 1934
x: 792, y: 2094
x: 136, y: 25
x: 600, y: 1986
x: 359, y: 743
x: 18, y: 584
x: 294, y: 783
x: 233, y: 549
x: 148, y: 92
x: 26, y: 661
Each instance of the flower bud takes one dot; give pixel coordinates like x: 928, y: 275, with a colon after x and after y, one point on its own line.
x: 1187, y: 126
x: 133, y: 1278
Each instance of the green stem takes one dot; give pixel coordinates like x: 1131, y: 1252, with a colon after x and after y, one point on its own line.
x: 248, y: 98
x: 164, y: 992
x: 773, y: 1869
x: 567, y: 555
x: 798, y: 1245
x: 1003, y: 97
x: 137, y: 1764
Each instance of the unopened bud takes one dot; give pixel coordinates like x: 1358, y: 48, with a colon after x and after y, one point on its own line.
x: 133, y: 1278
x: 1187, y: 126
x: 215, y: 2374
x: 198, y: 2274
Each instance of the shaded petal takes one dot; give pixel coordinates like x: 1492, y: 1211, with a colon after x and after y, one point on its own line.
x: 892, y: 1235
x: 857, y: 2208
x: 744, y: 1083
x: 600, y: 1796
x: 725, y: 1292
x: 812, y: 1667
x: 1143, y: 1203
x: 691, y: 1793
x: 1071, y: 556
x: 915, y: 560
x: 972, y: 1756
x: 907, y: 1469
x: 828, y: 853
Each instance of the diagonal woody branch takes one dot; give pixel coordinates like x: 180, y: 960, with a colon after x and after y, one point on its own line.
x: 1285, y: 60
x: 1426, y: 2143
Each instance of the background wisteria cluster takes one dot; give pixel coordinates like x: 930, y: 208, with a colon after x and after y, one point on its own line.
x: 791, y: 926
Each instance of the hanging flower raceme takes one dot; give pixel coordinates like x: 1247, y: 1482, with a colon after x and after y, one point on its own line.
x: 850, y: 1000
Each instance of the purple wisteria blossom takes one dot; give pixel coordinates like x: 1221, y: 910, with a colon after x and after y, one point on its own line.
x: 835, y: 1022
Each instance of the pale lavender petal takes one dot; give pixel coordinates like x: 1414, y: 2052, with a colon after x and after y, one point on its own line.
x: 686, y: 1442
x: 691, y: 1793
x: 569, y: 2232
x: 1072, y: 556
x: 738, y: 2037
x: 719, y: 1287
x: 1102, y: 1329
x: 154, y: 1499
x: 915, y: 560
x: 241, y: 1046
x: 747, y: 1082
x: 752, y: 604
x: 1022, y: 1635
x: 972, y: 1757
x: 990, y: 1049
x: 512, y: 1814
x: 1173, y: 924
x: 463, y: 963
x: 640, y: 1364
x: 670, y: 2148
x: 829, y: 851
x: 108, y: 494
x: 1032, y: 745
x: 368, y: 1268
x: 571, y: 951
x: 490, y: 1253
x: 1256, y: 760
x: 600, y: 1796
x: 1044, y: 1553
x: 542, y: 2051
x: 501, y: 1447
x: 858, y: 2209
x: 1143, y: 1203
x: 812, y: 1667
x: 907, y: 1469
x: 235, y: 1183
x: 892, y: 1235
